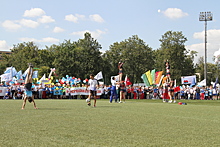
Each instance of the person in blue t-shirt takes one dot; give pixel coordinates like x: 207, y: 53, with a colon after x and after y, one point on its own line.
x: 156, y: 92
x: 51, y: 91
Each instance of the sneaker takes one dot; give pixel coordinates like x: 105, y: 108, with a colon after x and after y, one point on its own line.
x: 120, y: 102
x: 170, y: 101
x: 89, y: 104
x: 94, y: 106
x: 174, y: 101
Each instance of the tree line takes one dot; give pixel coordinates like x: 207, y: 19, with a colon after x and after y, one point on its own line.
x: 83, y: 57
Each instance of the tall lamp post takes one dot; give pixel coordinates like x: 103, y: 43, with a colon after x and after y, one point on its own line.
x: 205, y: 16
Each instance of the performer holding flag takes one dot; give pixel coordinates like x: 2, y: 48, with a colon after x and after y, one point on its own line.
x: 28, y: 87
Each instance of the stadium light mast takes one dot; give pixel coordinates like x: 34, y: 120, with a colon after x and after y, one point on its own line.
x: 205, y: 16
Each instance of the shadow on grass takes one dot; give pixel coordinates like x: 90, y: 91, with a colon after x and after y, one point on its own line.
x: 52, y: 109
x: 110, y: 106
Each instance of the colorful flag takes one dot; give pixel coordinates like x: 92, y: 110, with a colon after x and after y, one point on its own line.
x: 43, y: 78
x: 158, y: 77
x: 127, y: 81
x: 14, y: 72
x: 160, y: 80
x: 144, y: 77
x: 35, y: 74
x: 149, y: 77
x: 153, y: 76
x: 25, y: 74
x: 216, y: 82
x: 11, y: 70
x: 164, y: 80
x: 8, y: 70
x: 19, y: 75
x: 202, y: 83
x: 177, y: 89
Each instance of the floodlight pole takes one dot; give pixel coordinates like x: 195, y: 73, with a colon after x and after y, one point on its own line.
x: 205, y: 16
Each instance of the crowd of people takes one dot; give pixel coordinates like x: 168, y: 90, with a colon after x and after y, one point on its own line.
x: 125, y: 92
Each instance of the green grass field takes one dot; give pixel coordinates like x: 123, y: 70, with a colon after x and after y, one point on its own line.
x: 143, y: 123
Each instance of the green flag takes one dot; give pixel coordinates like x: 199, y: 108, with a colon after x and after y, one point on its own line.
x: 153, y: 76
x: 146, y: 82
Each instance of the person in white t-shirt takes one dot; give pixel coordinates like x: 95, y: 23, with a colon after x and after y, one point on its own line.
x: 93, y: 84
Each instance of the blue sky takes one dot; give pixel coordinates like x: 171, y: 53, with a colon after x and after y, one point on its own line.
x: 48, y: 22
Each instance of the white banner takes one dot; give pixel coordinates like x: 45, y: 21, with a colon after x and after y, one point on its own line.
x: 3, y: 90
x: 6, y: 77
x: 188, y: 79
x: 81, y: 91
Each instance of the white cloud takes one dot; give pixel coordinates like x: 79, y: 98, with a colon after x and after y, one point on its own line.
x: 213, y: 43
x: 50, y: 40
x: 25, y: 39
x: 96, y: 18
x: 96, y: 34
x: 10, y: 25
x: 29, y: 23
x: 200, y: 48
x: 71, y: 18
x: 46, y: 19
x: 74, y: 18
x: 34, y: 12
x: 213, y: 36
x: 79, y: 16
x: 4, y: 46
x: 174, y: 13
x: 58, y: 30
x: 47, y: 40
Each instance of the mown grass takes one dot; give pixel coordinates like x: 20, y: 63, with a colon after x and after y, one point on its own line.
x: 134, y: 123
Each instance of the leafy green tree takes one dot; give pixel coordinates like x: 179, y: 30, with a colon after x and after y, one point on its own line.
x: 138, y: 57
x: 22, y: 54
x: 3, y: 66
x: 173, y: 49
x: 63, y: 57
x: 88, y: 55
x: 212, y: 70
x: 79, y: 58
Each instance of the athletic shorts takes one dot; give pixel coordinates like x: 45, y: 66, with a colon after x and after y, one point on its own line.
x: 28, y: 93
x: 93, y: 92
x: 122, y: 90
x: 120, y: 71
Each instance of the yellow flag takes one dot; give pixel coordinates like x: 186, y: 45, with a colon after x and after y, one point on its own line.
x: 148, y: 74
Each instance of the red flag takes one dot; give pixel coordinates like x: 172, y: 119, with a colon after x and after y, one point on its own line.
x: 176, y: 89
x: 127, y: 81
